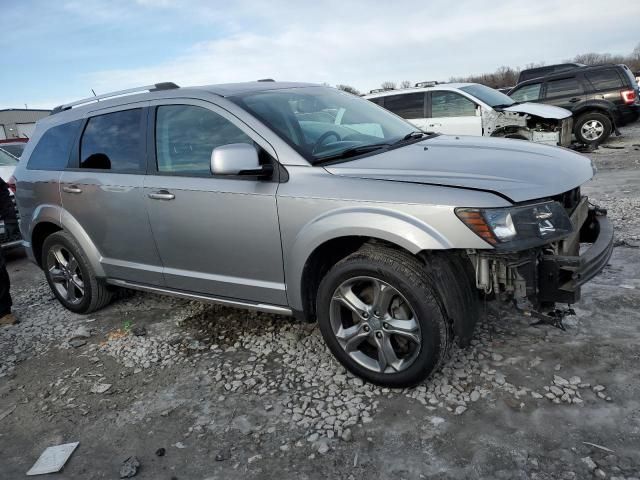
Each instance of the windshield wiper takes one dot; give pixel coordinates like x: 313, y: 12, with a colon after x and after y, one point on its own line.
x: 352, y: 152
x: 411, y: 136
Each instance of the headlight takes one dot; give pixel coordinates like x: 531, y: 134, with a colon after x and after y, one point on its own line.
x: 518, y: 227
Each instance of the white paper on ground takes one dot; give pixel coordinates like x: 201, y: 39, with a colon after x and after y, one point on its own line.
x: 53, y: 459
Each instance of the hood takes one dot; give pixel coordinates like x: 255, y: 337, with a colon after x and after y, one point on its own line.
x: 516, y: 169
x: 539, y: 110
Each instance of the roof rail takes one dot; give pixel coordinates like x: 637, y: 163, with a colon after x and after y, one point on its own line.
x: 266, y: 80
x: 378, y: 90
x: 431, y: 83
x: 97, y: 98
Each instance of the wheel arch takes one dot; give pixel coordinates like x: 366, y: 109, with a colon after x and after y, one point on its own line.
x: 331, y: 237
x: 49, y: 219
x: 596, y: 107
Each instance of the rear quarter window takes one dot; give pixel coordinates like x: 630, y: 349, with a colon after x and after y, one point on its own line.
x: 606, y: 79
x: 54, y: 147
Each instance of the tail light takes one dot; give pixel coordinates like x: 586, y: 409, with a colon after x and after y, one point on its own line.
x: 12, y: 184
x: 628, y: 96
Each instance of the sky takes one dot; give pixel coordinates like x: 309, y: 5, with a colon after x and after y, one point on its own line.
x: 56, y: 51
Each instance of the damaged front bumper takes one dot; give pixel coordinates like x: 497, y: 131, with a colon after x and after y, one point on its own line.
x: 540, y: 277
x: 561, y: 276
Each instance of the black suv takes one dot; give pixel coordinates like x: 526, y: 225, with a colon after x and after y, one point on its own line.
x: 601, y: 98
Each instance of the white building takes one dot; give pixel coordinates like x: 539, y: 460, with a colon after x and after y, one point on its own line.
x: 19, y: 122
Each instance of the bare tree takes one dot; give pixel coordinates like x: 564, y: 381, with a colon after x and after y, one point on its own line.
x: 388, y: 85
x: 349, y: 89
x: 405, y: 84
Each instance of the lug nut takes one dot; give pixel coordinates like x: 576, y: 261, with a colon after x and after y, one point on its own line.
x: 366, y: 328
x: 365, y: 315
x: 385, y: 325
x: 379, y: 334
x: 376, y: 313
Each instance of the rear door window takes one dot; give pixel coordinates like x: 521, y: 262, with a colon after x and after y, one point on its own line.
x: 528, y: 93
x: 54, y: 147
x: 186, y: 135
x: 407, y: 105
x: 605, y: 79
x: 115, y: 142
x: 451, y: 104
x: 563, y: 87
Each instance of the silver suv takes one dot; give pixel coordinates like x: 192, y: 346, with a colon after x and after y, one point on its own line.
x: 303, y: 200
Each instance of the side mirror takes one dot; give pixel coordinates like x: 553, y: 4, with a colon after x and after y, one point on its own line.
x: 238, y: 159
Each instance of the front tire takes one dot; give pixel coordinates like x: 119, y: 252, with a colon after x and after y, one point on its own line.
x: 70, y: 275
x: 593, y: 128
x: 382, y: 317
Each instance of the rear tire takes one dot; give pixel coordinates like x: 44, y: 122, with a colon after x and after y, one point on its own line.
x: 593, y: 128
x: 396, y: 310
x: 70, y: 275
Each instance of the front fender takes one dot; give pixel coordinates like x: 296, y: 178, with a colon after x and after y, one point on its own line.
x: 393, y: 226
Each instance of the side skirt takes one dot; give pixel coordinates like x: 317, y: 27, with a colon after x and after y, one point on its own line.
x: 262, y: 307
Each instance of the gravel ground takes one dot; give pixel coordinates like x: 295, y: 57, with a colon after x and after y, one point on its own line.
x: 235, y: 394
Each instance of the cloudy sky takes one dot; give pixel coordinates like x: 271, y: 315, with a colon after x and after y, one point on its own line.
x: 57, y: 51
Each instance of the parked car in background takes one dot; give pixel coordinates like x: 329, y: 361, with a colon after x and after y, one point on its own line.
x: 601, y: 98
x: 304, y: 200
x: 474, y: 109
x: 537, y: 72
x: 15, y: 146
x: 8, y: 165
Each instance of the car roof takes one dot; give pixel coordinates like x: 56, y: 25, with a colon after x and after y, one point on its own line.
x: 568, y: 73
x: 231, y: 89
x: 441, y: 86
x: 75, y: 110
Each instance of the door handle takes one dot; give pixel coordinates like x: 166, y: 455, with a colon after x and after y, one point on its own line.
x: 162, y: 195
x: 574, y: 100
x: 435, y: 124
x: 71, y: 189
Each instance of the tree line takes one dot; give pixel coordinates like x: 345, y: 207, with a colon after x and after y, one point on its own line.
x: 508, y: 76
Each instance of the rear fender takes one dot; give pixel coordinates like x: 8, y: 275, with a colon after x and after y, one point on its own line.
x: 58, y: 216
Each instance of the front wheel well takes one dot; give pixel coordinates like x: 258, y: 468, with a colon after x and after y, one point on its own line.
x: 322, y: 259
x: 39, y: 235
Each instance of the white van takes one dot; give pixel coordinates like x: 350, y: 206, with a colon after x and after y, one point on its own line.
x: 474, y: 109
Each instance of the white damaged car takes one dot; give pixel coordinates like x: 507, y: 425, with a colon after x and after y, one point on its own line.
x: 474, y: 109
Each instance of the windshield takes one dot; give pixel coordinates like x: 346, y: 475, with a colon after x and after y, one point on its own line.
x: 322, y: 123
x: 491, y: 97
x: 7, y: 160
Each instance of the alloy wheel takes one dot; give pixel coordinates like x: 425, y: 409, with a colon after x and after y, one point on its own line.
x: 375, y: 325
x: 65, y: 274
x: 592, y: 130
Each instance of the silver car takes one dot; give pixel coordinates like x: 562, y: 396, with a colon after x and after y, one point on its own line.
x: 303, y: 200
